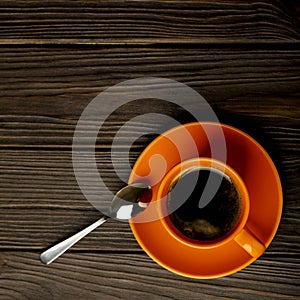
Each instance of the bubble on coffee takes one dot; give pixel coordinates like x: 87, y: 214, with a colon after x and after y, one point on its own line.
x: 213, y: 221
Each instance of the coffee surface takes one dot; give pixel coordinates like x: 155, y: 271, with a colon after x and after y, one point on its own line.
x: 213, y: 221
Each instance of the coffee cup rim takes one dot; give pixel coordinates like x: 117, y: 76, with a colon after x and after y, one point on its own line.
x: 196, y: 163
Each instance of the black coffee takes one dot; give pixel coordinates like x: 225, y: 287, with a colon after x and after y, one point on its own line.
x: 213, y: 221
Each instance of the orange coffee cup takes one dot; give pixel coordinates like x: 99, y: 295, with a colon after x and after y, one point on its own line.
x: 239, y: 233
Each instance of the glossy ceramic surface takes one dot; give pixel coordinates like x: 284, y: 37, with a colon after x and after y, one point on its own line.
x: 253, y: 165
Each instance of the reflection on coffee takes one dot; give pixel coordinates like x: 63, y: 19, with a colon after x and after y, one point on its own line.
x: 217, y: 218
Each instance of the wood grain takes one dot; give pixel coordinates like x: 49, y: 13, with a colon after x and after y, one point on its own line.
x: 60, y: 82
x: 45, y: 90
x: 56, y: 56
x: 134, y: 276
x: 148, y: 22
x: 41, y: 203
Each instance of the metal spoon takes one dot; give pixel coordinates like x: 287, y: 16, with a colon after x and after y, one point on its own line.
x: 124, y: 206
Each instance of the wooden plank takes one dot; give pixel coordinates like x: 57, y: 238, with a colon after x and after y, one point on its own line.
x: 59, y: 83
x: 148, y: 22
x: 44, y: 91
x: 42, y: 132
x: 135, y: 276
x: 242, y: 57
x: 41, y: 203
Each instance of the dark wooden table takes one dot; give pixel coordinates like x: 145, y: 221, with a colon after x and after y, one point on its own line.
x: 56, y: 56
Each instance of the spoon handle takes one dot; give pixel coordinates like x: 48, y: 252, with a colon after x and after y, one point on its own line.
x: 57, y: 250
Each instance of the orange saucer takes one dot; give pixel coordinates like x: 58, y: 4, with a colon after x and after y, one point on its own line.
x: 260, y: 176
